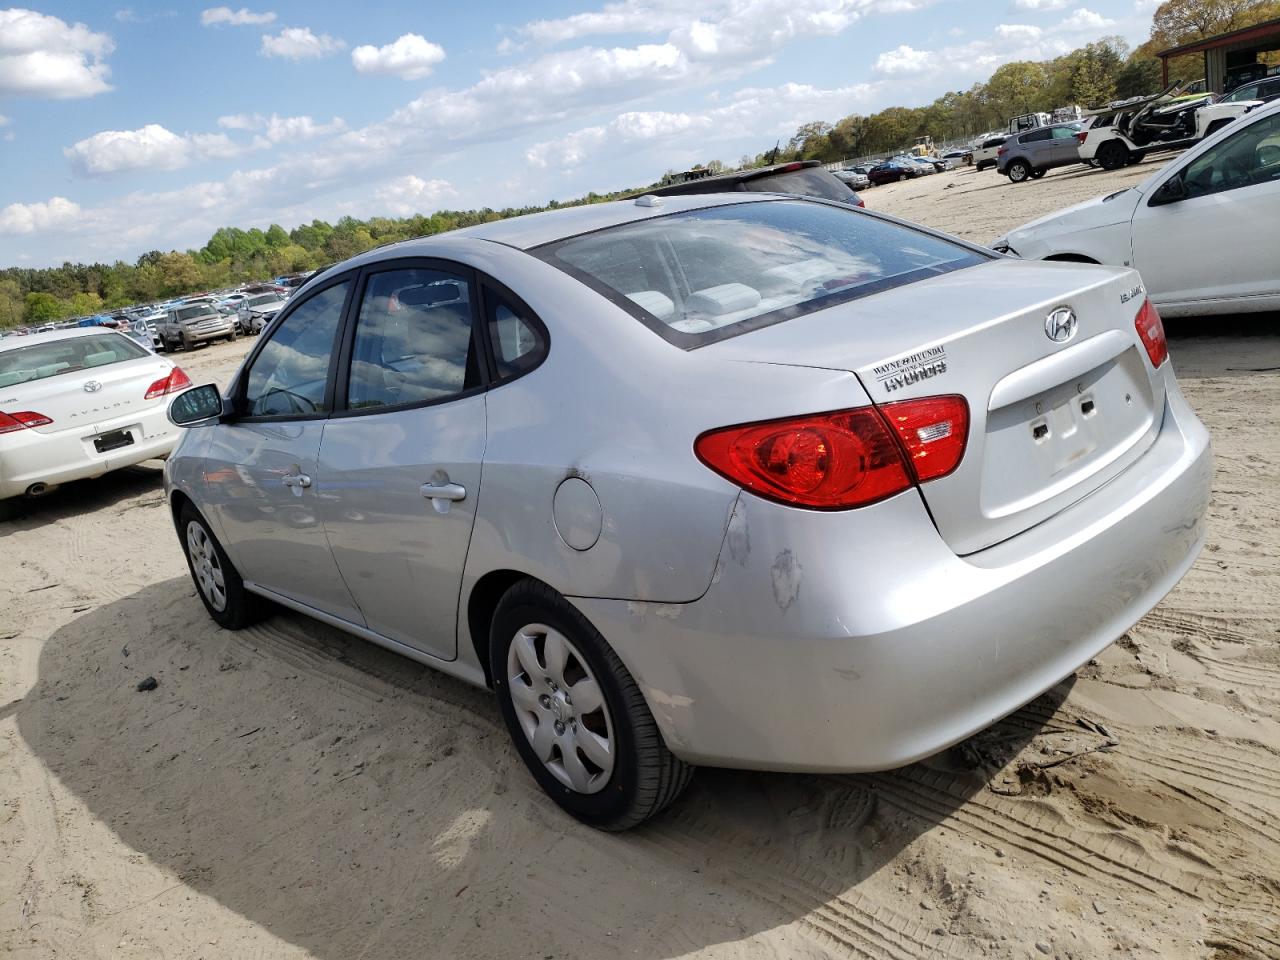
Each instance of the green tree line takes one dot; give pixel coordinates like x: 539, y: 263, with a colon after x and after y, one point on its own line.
x: 1090, y: 76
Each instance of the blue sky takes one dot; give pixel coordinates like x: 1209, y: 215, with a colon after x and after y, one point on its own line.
x: 130, y: 128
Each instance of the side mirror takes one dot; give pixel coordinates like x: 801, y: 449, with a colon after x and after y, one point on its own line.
x: 1171, y: 191
x: 196, y: 407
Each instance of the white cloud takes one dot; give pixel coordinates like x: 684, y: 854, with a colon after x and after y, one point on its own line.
x: 410, y: 194
x: 30, y: 217
x: 410, y: 57
x: 299, y: 43
x: 1041, y: 4
x: 152, y: 147
x: 903, y: 59
x: 278, y: 129
x: 42, y: 56
x: 1018, y: 31
x: 720, y: 25
x: 1084, y: 20
x: 4, y: 121
x: 244, y: 17
x: 771, y: 111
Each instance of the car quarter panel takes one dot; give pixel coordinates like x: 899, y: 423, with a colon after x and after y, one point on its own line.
x: 616, y: 408
x: 859, y: 641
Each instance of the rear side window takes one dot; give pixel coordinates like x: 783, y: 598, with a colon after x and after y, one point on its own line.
x: 518, y: 341
x: 704, y: 275
x: 42, y: 360
x: 1035, y: 136
x: 413, y: 341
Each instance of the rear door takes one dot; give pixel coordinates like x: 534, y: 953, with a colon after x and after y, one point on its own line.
x: 1201, y: 248
x: 1065, y: 148
x: 264, y: 485
x: 402, y: 455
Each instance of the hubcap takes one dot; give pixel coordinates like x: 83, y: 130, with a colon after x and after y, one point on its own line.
x: 206, y: 566
x: 561, y: 708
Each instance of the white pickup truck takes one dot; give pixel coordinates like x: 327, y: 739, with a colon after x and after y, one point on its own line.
x: 1128, y: 130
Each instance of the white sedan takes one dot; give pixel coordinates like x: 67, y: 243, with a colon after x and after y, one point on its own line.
x: 1199, y: 231
x: 78, y: 403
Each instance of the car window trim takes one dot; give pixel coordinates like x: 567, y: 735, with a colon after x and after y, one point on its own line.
x: 240, y: 387
x: 489, y: 286
x: 342, y: 372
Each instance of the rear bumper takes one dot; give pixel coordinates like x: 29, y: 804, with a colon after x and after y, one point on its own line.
x: 28, y: 457
x: 859, y: 641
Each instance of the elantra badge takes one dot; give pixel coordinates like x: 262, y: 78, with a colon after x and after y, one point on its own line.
x: 1060, y: 326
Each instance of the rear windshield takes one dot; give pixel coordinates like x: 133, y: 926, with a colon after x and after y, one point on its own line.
x: 41, y: 360
x: 808, y: 182
x: 705, y: 275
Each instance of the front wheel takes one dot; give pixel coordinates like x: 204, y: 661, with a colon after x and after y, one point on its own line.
x: 217, y: 581
x: 1037, y: 174
x: 1019, y: 170
x: 575, y: 714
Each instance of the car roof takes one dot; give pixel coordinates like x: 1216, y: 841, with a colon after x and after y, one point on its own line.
x: 71, y: 333
x: 535, y: 229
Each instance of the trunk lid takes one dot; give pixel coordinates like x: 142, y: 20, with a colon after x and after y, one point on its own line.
x: 1049, y: 421
x: 74, y: 405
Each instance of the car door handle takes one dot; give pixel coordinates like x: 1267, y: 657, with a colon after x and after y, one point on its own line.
x: 443, y: 491
x: 296, y: 480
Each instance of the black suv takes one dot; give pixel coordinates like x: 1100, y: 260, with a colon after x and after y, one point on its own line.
x: 805, y: 178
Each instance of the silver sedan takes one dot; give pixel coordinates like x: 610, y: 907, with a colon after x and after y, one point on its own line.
x: 745, y: 481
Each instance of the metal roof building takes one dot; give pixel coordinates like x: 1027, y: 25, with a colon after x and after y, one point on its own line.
x: 1230, y: 59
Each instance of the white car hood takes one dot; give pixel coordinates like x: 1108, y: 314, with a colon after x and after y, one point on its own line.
x: 1098, y: 212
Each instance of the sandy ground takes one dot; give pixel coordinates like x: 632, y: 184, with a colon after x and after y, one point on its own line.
x: 288, y: 791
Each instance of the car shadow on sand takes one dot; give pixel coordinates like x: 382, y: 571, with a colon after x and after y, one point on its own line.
x: 355, y: 803
x: 128, y: 488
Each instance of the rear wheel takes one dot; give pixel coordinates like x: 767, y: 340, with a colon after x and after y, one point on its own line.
x: 218, y: 582
x: 575, y: 714
x: 1019, y: 170
x: 1112, y: 155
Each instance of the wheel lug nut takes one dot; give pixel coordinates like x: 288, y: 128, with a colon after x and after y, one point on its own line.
x: 559, y: 728
x: 544, y: 701
x: 568, y: 700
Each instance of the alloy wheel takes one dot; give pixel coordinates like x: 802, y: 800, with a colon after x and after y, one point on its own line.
x: 206, y: 566
x: 561, y: 709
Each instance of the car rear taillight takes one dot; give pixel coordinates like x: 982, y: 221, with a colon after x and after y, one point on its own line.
x: 175, y: 381
x: 1151, y: 332
x: 844, y: 459
x: 1001, y: 151
x: 1082, y: 136
x: 860, y: 203
x: 827, y: 461
x: 934, y: 431
x: 22, y: 420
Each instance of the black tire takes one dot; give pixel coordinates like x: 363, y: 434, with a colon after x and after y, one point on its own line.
x: 646, y: 777
x: 235, y: 335
x: 1112, y: 155
x: 242, y: 608
x: 187, y: 344
x: 1018, y: 171
x: 1037, y: 174
x: 901, y: 177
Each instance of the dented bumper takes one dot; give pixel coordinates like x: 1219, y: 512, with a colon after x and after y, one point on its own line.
x: 859, y: 641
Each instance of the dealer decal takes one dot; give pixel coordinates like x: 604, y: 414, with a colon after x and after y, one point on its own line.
x: 911, y: 369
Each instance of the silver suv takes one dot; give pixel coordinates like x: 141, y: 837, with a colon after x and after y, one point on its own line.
x: 1031, y: 155
x: 187, y: 325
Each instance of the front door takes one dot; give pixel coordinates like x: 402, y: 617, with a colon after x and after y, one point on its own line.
x: 1202, y: 247
x: 262, y: 469
x: 402, y: 455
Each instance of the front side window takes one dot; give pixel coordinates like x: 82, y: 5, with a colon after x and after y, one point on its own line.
x: 413, y: 340
x: 42, y: 360
x: 702, y: 275
x: 1249, y: 156
x: 289, y: 375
